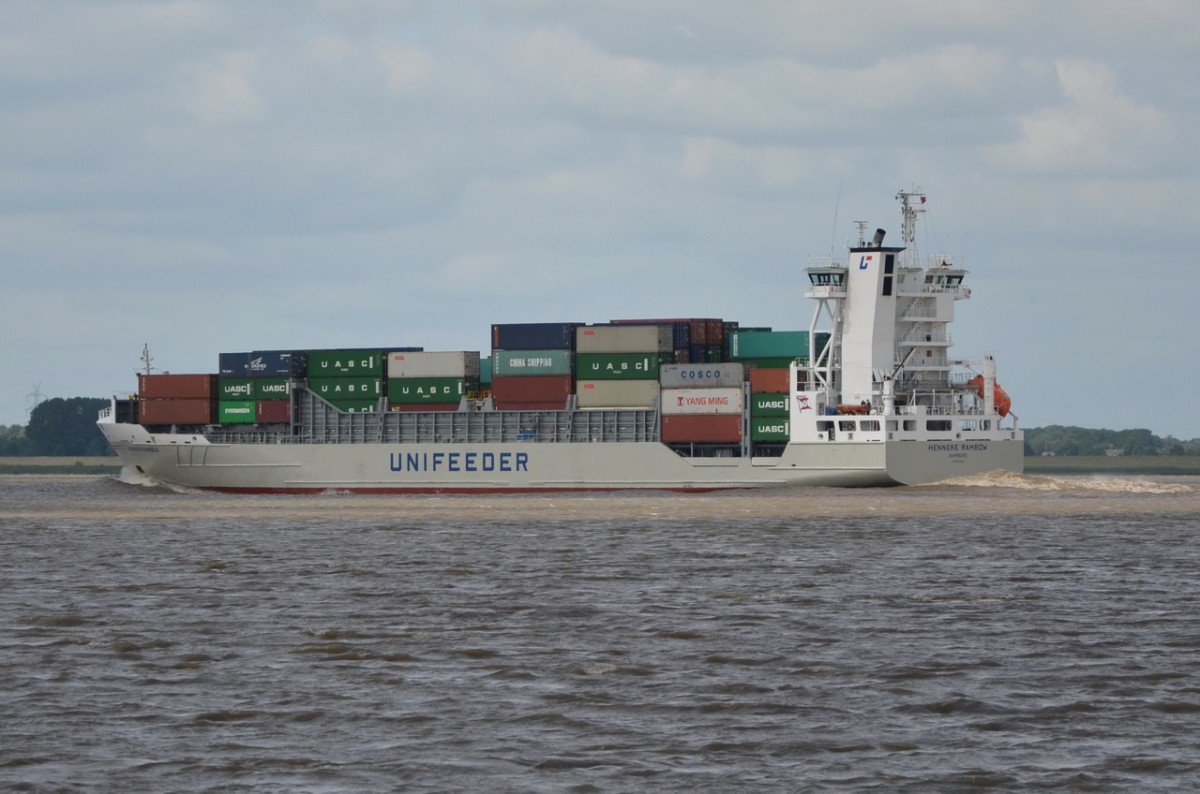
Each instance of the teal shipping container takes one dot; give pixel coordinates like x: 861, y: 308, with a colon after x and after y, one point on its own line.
x: 533, y: 362
x: 345, y: 363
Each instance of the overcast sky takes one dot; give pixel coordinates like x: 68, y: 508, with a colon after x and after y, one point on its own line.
x: 223, y: 175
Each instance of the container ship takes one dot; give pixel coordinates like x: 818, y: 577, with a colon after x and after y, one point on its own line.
x: 866, y: 395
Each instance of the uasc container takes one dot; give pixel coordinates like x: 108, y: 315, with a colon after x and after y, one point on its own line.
x: 235, y: 389
x: 769, y: 428
x: 344, y: 363
x: 346, y: 388
x: 766, y: 404
x: 403, y: 391
x: 272, y: 388
x: 617, y: 366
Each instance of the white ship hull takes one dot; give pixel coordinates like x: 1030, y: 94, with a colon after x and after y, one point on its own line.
x: 189, y: 461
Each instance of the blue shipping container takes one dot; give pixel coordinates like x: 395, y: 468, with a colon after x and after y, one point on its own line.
x: 534, y: 336
x: 276, y: 364
x: 233, y: 365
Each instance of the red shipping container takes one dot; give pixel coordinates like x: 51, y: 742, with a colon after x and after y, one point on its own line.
x: 176, y: 412
x: 531, y: 388
x: 719, y: 428
x: 537, y: 406
x: 184, y: 387
x: 769, y: 381
x: 417, y: 407
x: 272, y: 412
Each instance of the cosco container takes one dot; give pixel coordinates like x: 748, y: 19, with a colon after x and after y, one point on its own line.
x: 534, y: 336
x: 434, y: 364
x: 427, y: 390
x: 623, y: 339
x: 235, y: 389
x: 346, y: 388
x: 533, y: 362
x: 272, y: 388
x: 236, y: 412
x: 185, y: 387
x: 714, y: 429
x: 702, y: 401
x: 344, y: 363
x: 551, y: 391
x: 617, y: 366
x: 678, y: 376
x: 178, y: 411
x: 769, y: 428
x: 768, y: 404
x: 276, y: 364
x: 273, y: 412
x: 769, y: 380
x: 616, y: 393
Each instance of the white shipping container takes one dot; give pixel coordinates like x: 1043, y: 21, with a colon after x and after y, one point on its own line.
x: 701, y: 401
x: 693, y: 376
x: 616, y: 393
x: 433, y: 364
x: 623, y: 339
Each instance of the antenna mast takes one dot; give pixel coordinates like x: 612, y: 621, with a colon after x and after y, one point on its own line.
x: 912, y: 204
x: 147, y: 359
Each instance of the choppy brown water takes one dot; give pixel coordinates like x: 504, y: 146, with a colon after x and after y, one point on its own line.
x: 1006, y: 633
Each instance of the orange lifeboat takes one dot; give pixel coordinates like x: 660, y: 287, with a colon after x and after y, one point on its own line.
x: 1000, y: 396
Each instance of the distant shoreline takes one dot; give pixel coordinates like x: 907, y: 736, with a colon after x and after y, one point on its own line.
x: 1057, y: 464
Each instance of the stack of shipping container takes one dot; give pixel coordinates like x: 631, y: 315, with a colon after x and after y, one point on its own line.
x: 256, y: 387
x: 166, y: 399
x: 769, y: 405
x: 617, y: 366
x: 431, y: 381
x: 350, y: 380
x: 702, y: 403
x: 532, y: 366
x: 694, y: 340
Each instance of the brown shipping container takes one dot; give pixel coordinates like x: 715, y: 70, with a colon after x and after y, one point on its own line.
x: 176, y: 412
x: 531, y: 388
x: 769, y: 381
x: 177, y: 387
x: 720, y: 428
x: 272, y: 412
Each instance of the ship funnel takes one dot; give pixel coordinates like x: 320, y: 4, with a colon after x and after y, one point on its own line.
x: 878, y: 241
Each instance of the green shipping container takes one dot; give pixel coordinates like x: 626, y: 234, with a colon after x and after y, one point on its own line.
x: 617, y: 366
x: 235, y: 412
x: 235, y: 389
x: 357, y: 406
x: 768, y: 405
x: 412, y: 391
x: 272, y: 388
x: 532, y: 362
x: 773, y: 363
x: 485, y: 372
x: 345, y: 363
x: 333, y: 389
x: 769, y: 428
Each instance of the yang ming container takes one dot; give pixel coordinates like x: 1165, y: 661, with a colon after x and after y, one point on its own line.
x: 702, y: 401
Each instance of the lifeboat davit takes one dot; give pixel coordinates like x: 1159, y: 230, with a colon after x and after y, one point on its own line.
x: 999, y: 396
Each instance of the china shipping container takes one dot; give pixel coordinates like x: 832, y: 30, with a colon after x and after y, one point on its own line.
x: 401, y: 391
x: 769, y: 380
x: 186, y: 387
x: 549, y: 390
x: 533, y: 362
x: 277, y: 364
x: 702, y: 401
x: 236, y: 412
x: 616, y: 393
x: 769, y: 428
x: 345, y: 363
x: 176, y: 411
x: 534, y: 336
x: 434, y: 364
x: 717, y: 428
x: 272, y: 412
x: 617, y: 366
x: 624, y: 338
x: 678, y: 376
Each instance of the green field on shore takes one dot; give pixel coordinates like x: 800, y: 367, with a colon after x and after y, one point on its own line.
x: 1060, y: 464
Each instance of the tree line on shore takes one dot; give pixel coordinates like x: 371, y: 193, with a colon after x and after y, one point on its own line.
x: 67, y: 427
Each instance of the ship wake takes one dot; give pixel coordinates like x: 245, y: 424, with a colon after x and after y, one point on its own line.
x: 1039, y: 482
